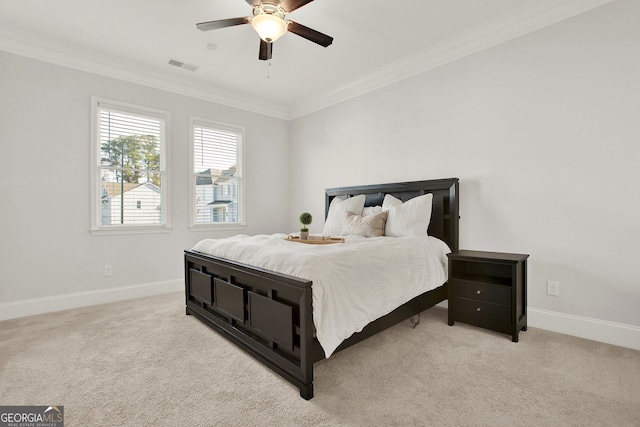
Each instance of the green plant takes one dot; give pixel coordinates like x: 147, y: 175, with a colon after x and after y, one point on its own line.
x: 305, y: 219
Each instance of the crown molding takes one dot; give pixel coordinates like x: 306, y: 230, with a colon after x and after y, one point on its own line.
x: 110, y: 67
x: 531, y: 17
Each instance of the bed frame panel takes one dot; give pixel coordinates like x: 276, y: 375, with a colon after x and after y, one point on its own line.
x: 270, y: 315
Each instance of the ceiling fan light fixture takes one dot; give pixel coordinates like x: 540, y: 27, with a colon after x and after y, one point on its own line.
x: 268, y: 21
x: 269, y: 27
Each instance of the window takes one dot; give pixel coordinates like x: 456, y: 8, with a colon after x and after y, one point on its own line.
x: 217, y: 187
x: 128, y: 172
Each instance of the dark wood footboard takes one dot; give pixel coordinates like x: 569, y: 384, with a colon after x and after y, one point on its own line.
x: 270, y: 315
x: 267, y: 314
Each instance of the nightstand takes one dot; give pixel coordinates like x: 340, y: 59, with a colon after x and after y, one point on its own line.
x: 489, y: 290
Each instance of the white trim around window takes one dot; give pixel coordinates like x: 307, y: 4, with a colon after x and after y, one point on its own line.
x: 143, y: 177
x: 216, y: 175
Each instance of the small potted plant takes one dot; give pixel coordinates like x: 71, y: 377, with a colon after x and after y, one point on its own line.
x: 305, y: 219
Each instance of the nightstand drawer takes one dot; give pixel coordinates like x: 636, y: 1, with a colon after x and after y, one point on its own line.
x: 470, y: 309
x: 481, y: 291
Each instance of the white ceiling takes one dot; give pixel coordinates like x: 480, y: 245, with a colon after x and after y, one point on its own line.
x: 375, y: 43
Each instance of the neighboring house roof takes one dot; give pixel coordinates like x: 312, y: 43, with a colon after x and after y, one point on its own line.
x: 114, y: 188
x: 204, y: 180
x: 220, y: 203
x: 222, y: 176
x: 226, y: 175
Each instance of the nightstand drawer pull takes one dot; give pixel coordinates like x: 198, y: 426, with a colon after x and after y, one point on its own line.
x: 478, y: 292
x: 478, y: 309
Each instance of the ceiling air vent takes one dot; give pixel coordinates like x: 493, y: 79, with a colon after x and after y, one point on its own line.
x: 181, y: 64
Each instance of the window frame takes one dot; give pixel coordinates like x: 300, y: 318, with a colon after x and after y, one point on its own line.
x: 240, y: 170
x: 96, y: 226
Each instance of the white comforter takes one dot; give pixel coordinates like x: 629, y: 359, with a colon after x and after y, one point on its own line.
x: 354, y: 282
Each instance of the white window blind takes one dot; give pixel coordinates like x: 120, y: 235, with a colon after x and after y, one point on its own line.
x: 130, y: 173
x: 217, y: 167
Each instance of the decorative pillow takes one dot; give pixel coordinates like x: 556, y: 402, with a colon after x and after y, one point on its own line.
x: 371, y: 210
x: 337, y: 208
x: 364, y: 225
x: 407, y: 219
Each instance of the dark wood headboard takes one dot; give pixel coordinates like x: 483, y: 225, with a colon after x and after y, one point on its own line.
x: 445, y: 213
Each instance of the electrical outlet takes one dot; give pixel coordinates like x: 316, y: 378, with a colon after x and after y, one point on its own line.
x: 553, y: 288
x: 108, y: 270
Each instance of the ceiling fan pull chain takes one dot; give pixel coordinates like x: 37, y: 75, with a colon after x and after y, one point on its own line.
x: 269, y: 70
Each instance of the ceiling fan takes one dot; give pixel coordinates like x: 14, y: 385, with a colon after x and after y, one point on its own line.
x: 268, y: 21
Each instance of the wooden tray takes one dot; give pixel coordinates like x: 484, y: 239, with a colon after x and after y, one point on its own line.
x: 315, y: 242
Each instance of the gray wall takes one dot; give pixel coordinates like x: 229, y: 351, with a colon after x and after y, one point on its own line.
x: 46, y: 248
x: 544, y: 133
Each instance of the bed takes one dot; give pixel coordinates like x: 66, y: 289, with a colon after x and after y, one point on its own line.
x: 270, y: 314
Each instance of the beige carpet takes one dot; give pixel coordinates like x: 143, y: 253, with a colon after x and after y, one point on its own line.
x: 144, y: 363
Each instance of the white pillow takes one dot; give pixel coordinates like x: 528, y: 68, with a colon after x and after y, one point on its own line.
x: 371, y: 210
x: 407, y: 219
x: 337, y: 209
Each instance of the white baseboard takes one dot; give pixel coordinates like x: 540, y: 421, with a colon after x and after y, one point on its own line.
x: 585, y: 327
x: 12, y: 310
x: 569, y: 324
x: 582, y: 327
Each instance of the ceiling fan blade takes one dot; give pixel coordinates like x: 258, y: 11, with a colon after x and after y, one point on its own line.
x: 291, y: 5
x: 266, y: 50
x: 309, y: 34
x: 222, y: 23
x: 254, y: 2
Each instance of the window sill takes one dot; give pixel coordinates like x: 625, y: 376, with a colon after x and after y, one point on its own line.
x: 217, y: 227
x: 129, y: 230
